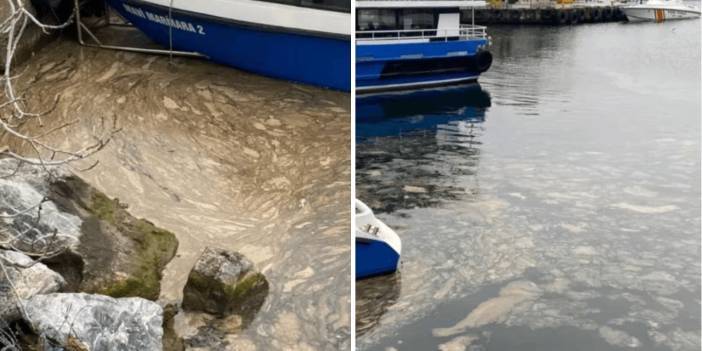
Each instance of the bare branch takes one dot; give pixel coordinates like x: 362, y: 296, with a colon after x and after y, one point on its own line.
x: 21, y: 229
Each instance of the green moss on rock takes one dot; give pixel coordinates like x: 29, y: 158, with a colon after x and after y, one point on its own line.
x: 103, y: 207
x: 155, y: 248
x: 124, y: 256
x: 206, y: 290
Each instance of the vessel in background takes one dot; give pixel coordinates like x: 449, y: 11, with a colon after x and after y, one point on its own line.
x: 659, y: 11
x: 378, y: 247
x: 306, y: 41
x: 403, y: 44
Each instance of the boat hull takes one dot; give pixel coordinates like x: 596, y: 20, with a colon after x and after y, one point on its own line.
x: 375, y: 257
x: 641, y: 14
x: 312, y: 58
x: 398, y: 66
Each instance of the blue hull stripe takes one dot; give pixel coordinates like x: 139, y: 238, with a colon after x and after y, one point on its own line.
x: 375, y: 258
x: 300, y: 57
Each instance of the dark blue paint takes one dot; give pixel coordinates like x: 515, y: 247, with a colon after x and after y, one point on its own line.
x: 371, y: 59
x: 375, y: 257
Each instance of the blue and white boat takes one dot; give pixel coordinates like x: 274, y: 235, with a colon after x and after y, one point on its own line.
x: 306, y: 41
x: 405, y: 44
x: 378, y: 247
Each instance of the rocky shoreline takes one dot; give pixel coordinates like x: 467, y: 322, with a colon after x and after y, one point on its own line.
x: 81, y: 273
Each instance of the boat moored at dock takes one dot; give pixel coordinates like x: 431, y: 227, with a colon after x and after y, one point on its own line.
x: 409, y: 44
x: 305, y: 41
x: 659, y: 11
x: 378, y: 247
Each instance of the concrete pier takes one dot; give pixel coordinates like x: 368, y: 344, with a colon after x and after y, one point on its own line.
x: 545, y: 16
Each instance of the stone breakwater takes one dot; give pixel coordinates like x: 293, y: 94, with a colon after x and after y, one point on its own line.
x: 559, y: 16
x: 222, y: 159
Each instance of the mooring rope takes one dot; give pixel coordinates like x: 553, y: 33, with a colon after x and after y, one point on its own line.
x: 170, y: 31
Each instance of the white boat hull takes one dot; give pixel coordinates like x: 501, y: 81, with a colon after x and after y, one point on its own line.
x: 639, y: 14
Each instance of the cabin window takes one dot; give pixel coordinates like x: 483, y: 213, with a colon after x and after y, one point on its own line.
x: 332, y: 5
x: 417, y: 19
x: 376, y: 19
x: 335, y: 5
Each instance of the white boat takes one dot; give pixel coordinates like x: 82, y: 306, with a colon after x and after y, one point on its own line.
x: 377, y: 246
x: 659, y: 11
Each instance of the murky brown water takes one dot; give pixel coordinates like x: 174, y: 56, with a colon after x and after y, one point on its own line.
x: 226, y: 159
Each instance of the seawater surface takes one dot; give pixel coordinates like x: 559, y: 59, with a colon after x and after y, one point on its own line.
x: 554, y: 206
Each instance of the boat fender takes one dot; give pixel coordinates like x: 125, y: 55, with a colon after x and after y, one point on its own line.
x: 607, y: 14
x: 483, y: 60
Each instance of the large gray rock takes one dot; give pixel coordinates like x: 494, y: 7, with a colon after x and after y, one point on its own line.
x: 21, y: 193
x: 108, y: 251
x: 224, y: 282
x: 97, y: 322
x: 28, y: 277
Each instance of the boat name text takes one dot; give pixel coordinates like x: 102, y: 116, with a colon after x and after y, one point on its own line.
x: 165, y: 20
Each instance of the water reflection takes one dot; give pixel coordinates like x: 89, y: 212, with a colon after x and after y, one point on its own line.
x: 398, y: 113
x: 374, y: 297
x: 404, y: 140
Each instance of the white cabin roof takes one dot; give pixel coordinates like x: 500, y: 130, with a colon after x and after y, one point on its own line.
x: 418, y: 3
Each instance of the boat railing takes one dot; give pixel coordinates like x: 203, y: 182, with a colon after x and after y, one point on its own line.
x: 464, y: 32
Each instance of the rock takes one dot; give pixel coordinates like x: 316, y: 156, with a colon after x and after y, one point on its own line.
x: 171, y: 340
x: 224, y: 282
x: 108, y: 251
x: 28, y: 277
x: 21, y: 193
x: 96, y: 322
x: 222, y: 296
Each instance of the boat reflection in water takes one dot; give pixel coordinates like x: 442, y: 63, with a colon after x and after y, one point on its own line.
x: 394, y: 114
x: 373, y: 298
x: 415, y: 150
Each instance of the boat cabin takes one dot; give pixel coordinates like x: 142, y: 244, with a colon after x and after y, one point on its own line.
x: 379, y: 18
